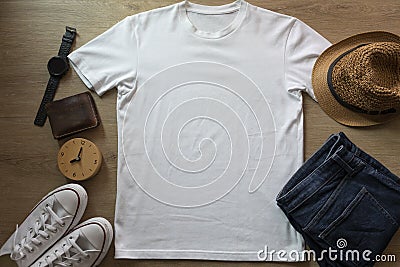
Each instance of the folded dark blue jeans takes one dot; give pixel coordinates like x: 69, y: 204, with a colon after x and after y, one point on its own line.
x: 344, y: 203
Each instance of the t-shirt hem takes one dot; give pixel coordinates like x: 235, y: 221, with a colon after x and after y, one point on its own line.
x: 202, y: 255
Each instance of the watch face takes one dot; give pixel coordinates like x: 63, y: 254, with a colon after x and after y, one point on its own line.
x: 57, y: 66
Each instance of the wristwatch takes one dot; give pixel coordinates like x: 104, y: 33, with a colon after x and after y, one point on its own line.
x: 57, y: 67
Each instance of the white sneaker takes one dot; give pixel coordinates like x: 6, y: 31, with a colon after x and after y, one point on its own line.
x: 85, y: 246
x: 57, y: 213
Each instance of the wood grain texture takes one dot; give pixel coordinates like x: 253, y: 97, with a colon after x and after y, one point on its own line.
x: 31, y: 33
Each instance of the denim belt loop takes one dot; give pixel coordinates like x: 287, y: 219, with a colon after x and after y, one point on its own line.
x: 343, y: 164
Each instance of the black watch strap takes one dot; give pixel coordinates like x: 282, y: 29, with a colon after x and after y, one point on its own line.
x: 47, y: 98
x: 66, y: 44
x: 67, y: 40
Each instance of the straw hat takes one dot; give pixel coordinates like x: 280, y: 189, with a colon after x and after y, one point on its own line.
x: 357, y: 81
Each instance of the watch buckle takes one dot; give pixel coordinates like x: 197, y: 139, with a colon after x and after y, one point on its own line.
x: 70, y: 29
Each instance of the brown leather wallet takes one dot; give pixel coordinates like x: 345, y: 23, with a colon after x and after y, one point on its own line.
x: 72, y: 115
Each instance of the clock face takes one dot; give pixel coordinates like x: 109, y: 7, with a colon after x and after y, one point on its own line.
x: 79, y: 159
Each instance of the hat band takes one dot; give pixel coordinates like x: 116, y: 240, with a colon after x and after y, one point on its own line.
x: 344, y: 103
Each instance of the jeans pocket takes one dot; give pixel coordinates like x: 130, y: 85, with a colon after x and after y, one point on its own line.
x: 362, y: 231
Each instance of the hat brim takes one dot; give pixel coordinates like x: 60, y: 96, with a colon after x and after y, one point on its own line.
x: 324, y: 96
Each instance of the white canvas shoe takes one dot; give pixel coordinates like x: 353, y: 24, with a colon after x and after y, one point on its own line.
x: 57, y: 213
x: 86, y: 245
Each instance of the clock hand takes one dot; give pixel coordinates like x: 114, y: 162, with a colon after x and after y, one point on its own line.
x: 74, y: 160
x: 78, y: 158
x: 79, y: 154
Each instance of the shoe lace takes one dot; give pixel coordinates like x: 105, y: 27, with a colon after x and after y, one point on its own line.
x: 40, y: 229
x: 71, y: 253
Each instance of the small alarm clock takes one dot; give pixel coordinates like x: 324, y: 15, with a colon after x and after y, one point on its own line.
x: 79, y: 159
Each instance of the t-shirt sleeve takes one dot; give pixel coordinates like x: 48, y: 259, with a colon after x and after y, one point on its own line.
x: 303, y: 47
x: 109, y: 60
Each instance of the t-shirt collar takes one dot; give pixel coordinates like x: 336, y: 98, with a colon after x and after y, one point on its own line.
x: 240, y: 6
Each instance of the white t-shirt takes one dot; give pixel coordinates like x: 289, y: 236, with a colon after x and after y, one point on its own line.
x: 210, y: 127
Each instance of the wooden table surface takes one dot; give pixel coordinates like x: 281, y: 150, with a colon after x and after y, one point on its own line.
x: 30, y: 34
